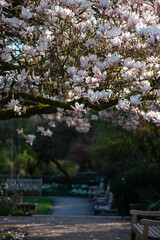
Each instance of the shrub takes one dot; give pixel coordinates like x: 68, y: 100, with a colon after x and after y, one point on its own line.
x: 140, y: 183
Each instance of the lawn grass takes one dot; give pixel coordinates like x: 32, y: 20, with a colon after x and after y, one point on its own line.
x: 44, y: 203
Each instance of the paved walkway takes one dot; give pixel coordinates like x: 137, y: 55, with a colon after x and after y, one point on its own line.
x: 72, y: 206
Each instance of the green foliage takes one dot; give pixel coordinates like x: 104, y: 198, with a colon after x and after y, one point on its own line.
x: 112, y: 147
x: 23, y: 154
x: 79, y: 190
x: 5, y: 160
x: 55, y: 189
x: 4, y: 235
x: 154, y: 206
x: 53, y: 148
x: 141, y: 185
x: 70, y: 166
x: 8, y: 207
x: 25, y: 162
x: 147, y: 194
x: 44, y: 204
x: 50, y: 189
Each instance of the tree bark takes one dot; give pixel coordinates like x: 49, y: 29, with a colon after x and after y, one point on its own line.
x: 68, y: 178
x: 59, y: 166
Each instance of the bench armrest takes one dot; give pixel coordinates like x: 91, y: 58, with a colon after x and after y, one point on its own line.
x: 136, y: 213
x: 150, y: 222
x: 145, y: 213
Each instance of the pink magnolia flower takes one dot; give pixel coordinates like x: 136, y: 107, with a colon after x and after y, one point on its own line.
x: 18, y: 109
x: 82, y: 73
x: 101, y: 65
x: 140, y: 65
x: 123, y: 104
x: 129, y: 62
x: 40, y: 129
x: 13, y: 103
x: 145, y: 87
x: 85, y: 62
x: 142, y: 29
x: 76, y: 79
x: 29, y: 50
x: 93, y: 58
x: 113, y: 59
x: 3, y: 4
x: 6, y: 57
x: 135, y: 100
x: 26, y: 14
x: 114, y: 32
x: 93, y: 96
x: 94, y: 117
x: 116, y: 42
x: 78, y: 107
x: 6, y: 50
x: 97, y: 71
x: 30, y: 138
x: 103, y: 28
x: 103, y: 95
x: 104, y: 3
x: 72, y: 71
x: 20, y: 131
x: 48, y: 133
x: 151, y: 41
x: 155, y: 30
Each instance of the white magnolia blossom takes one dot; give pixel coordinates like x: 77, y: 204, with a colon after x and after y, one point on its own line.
x: 104, y: 3
x: 94, y: 117
x: 135, y: 100
x: 142, y: 29
x: 113, y: 59
x: 30, y: 138
x: 123, y: 104
x: 145, y: 87
x: 72, y: 71
x: 78, y: 107
x: 129, y: 62
x: 13, y: 103
x: 3, y: 3
x: 114, y: 32
x: 154, y: 116
x: 20, y: 131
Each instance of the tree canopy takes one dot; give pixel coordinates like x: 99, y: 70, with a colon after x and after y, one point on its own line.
x: 63, y: 58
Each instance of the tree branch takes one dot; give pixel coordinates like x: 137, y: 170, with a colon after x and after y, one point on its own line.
x: 48, y: 106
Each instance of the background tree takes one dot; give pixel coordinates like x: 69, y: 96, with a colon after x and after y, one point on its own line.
x: 117, y: 149
x: 24, y: 156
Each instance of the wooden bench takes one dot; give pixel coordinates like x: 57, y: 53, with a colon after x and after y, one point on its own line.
x: 28, y: 207
x: 104, y: 207
x: 145, y: 229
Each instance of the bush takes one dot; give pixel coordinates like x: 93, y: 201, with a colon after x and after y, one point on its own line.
x: 8, y: 207
x: 79, y: 190
x: 55, y: 189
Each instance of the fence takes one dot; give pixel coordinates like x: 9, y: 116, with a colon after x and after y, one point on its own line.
x: 25, y: 184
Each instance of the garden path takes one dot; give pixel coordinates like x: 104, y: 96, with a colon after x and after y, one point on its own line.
x: 67, y: 228
x: 72, y: 206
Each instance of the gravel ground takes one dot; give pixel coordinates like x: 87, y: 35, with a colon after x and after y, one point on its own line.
x: 66, y: 228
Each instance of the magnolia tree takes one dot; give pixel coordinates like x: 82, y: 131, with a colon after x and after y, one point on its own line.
x: 75, y: 60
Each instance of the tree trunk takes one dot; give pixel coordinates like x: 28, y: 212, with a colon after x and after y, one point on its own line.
x: 59, y: 166
x: 68, y: 178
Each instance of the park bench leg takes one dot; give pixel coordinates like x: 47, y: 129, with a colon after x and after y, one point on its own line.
x: 133, y: 235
